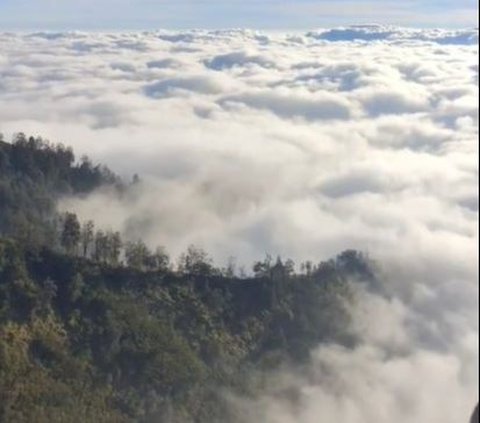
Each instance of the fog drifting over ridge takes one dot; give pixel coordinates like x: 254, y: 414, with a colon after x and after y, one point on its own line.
x: 300, y: 145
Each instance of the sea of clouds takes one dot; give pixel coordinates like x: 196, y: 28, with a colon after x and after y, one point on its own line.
x: 299, y: 144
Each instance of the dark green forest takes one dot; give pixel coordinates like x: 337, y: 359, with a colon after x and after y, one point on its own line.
x: 95, y: 328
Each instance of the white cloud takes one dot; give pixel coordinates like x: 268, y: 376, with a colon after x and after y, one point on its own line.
x: 291, y: 144
x: 295, y: 103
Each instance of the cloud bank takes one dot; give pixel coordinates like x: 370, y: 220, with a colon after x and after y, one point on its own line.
x: 300, y: 145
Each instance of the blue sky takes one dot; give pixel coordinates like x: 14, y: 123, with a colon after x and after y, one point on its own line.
x: 258, y: 14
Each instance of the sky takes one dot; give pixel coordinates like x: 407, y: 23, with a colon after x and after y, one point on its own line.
x: 213, y: 14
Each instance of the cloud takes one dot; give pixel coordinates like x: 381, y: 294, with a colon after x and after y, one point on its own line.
x: 163, y: 63
x: 291, y: 144
x: 239, y: 58
x: 199, y: 84
x: 355, y: 182
x: 291, y: 104
x: 390, y: 101
x: 360, y: 32
x: 364, y: 386
x: 370, y: 33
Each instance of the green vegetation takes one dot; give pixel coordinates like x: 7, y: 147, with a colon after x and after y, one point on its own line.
x: 33, y: 176
x: 95, y: 329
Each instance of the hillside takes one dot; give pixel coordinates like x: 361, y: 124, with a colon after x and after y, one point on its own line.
x: 93, y: 331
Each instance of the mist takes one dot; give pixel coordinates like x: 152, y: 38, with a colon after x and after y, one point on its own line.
x: 300, y: 145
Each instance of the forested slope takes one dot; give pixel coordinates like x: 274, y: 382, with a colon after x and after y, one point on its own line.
x: 97, y: 329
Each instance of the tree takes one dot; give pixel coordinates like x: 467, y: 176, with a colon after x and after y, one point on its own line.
x: 101, y: 246
x: 195, y: 261
x: 108, y: 246
x: 307, y: 268
x: 114, y: 242
x: 136, y: 254
x: 230, y: 270
x: 136, y: 179
x: 263, y: 268
x: 289, y: 267
x: 70, y: 236
x: 76, y: 287
x: 87, y: 236
x: 48, y: 291
x: 159, y: 260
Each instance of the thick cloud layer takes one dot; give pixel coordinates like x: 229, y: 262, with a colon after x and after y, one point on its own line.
x: 300, y: 145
